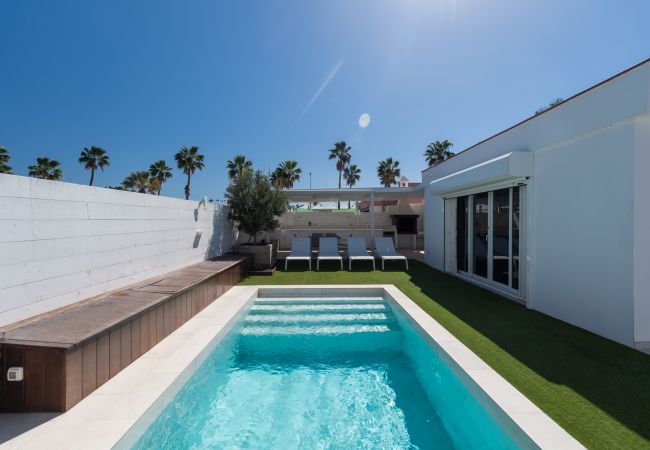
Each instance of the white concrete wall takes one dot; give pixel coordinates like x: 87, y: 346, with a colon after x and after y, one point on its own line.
x: 434, y: 233
x: 582, y: 231
x: 622, y: 98
x: 61, y: 243
x: 342, y: 223
x: 587, y: 214
x: 642, y: 231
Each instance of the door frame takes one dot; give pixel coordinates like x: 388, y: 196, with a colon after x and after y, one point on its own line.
x: 519, y: 293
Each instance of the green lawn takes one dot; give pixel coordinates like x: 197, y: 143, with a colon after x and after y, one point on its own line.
x: 599, y: 391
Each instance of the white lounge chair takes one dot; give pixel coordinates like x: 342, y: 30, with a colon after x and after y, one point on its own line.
x: 385, y: 249
x: 357, y: 251
x: 300, y: 250
x: 328, y: 250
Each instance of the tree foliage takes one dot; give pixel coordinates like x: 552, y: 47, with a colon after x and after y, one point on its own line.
x: 46, y: 168
x: 189, y: 160
x: 238, y: 165
x: 388, y: 171
x: 341, y: 153
x: 255, y: 204
x: 94, y: 158
x: 557, y: 101
x: 351, y: 174
x: 160, y: 172
x: 138, y: 181
x: 4, y: 160
x: 438, y: 152
x: 286, y: 174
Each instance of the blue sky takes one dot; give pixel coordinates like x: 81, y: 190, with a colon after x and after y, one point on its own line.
x: 278, y: 80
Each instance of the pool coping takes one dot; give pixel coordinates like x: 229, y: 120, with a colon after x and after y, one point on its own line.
x: 105, y: 418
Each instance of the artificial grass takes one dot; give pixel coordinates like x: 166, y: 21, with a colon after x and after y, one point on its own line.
x: 596, y: 389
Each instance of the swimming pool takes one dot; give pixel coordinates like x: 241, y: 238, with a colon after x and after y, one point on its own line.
x: 329, y: 369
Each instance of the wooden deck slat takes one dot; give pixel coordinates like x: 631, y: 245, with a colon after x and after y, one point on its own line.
x: 69, y: 353
x: 89, y: 367
x: 103, y: 358
x: 72, y: 326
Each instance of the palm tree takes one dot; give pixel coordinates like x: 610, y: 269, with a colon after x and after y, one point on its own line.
x: 188, y: 159
x: 388, y: 171
x: 138, y: 181
x: 94, y: 158
x: 46, y: 168
x: 438, y: 152
x: 340, y: 152
x: 351, y: 174
x: 154, y: 186
x: 160, y: 172
x: 237, y: 166
x: 286, y: 174
x: 4, y: 160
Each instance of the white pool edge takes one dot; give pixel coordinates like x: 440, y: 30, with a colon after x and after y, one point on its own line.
x: 144, y: 388
x: 536, y: 424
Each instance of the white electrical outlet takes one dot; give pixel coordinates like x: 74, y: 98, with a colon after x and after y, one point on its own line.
x: 15, y: 374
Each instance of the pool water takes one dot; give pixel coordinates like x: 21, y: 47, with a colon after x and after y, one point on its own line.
x: 325, y: 373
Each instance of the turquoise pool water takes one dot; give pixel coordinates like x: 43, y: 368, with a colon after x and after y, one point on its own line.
x: 314, y: 373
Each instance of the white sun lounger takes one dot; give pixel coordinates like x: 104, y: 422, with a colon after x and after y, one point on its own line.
x: 328, y: 250
x: 385, y: 249
x: 300, y: 250
x: 357, y: 251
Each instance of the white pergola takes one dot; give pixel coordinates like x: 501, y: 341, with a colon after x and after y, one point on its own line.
x: 357, y: 194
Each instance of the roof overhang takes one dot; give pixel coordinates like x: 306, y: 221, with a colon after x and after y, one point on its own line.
x: 507, y: 167
x: 354, y: 194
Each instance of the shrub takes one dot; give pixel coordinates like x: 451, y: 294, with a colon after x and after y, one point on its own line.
x: 255, y: 204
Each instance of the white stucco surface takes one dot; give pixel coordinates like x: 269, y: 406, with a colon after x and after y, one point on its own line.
x: 586, y: 213
x: 61, y: 242
x: 583, y: 203
x: 641, y: 246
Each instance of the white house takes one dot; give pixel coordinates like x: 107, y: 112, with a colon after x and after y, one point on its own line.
x: 555, y: 211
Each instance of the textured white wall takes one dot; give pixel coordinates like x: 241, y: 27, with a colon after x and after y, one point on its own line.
x: 642, y: 230
x: 623, y: 98
x: 434, y: 233
x: 588, y: 207
x: 61, y: 243
x: 583, y: 233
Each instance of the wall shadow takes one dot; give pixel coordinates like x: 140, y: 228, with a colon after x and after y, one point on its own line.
x: 613, y: 377
x: 15, y: 424
x: 223, y: 234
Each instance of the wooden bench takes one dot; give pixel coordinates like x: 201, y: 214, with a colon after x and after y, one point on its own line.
x: 68, y: 354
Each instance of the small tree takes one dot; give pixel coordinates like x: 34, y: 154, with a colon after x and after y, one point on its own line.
x: 94, y: 158
x: 255, y: 204
x: 4, y: 160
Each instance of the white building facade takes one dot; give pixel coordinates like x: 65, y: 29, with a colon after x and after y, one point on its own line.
x: 555, y: 211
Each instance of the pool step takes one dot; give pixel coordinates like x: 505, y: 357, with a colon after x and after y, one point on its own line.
x: 283, y: 330
x: 319, y: 319
x: 318, y: 308
x: 317, y: 301
x: 270, y: 347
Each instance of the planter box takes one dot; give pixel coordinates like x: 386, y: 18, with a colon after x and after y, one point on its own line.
x: 264, y: 255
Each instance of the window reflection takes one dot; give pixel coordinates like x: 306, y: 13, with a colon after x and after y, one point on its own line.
x: 515, y: 237
x: 500, y: 235
x: 462, y: 225
x: 480, y: 247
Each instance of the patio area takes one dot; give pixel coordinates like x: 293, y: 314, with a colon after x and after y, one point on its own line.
x: 598, y: 390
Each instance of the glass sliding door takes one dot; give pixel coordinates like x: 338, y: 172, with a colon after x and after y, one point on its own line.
x: 480, y: 231
x: 516, y: 216
x: 462, y: 230
x: 501, y: 236
x: 488, y: 235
